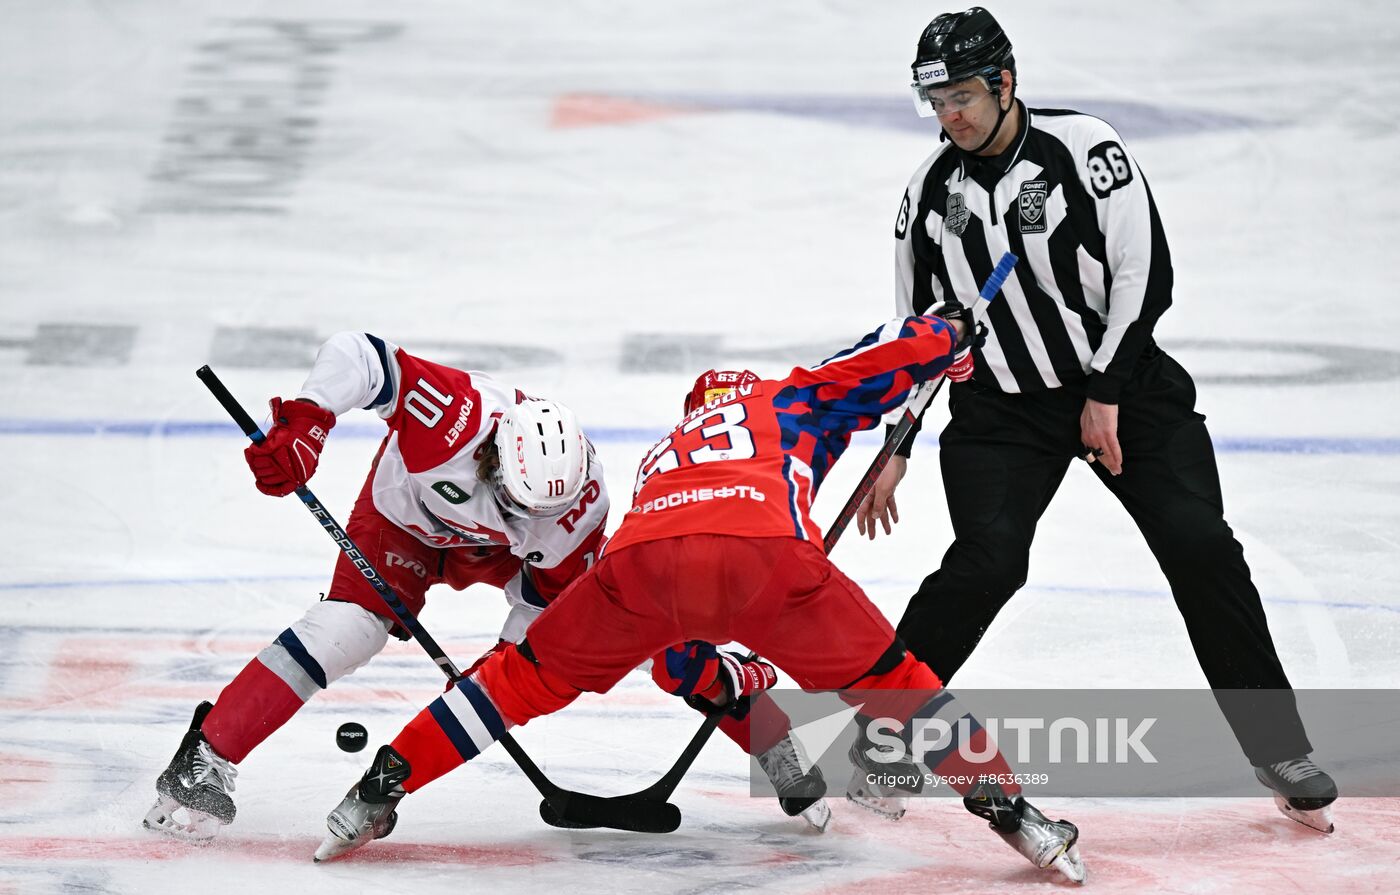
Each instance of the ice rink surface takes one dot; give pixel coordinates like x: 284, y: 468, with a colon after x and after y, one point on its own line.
x: 597, y: 201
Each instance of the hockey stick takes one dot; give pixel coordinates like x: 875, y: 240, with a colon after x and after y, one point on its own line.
x: 914, y: 409
x: 646, y: 817
x: 577, y: 816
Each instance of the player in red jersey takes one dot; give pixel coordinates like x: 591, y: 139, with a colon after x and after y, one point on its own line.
x: 719, y: 545
x: 475, y: 483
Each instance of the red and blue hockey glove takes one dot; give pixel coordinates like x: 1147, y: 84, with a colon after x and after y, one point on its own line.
x: 746, y: 676
x: 284, y: 460
x: 707, y: 678
x: 960, y: 370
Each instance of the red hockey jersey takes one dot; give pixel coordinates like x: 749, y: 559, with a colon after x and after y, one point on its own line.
x: 750, y: 463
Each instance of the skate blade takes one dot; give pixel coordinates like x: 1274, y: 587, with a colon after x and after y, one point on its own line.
x: 1319, y: 819
x: 1071, y: 865
x: 818, y: 816
x: 889, y: 809
x: 333, y: 847
x: 199, y: 829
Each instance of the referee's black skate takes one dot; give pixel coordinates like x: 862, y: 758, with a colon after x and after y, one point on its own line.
x: 368, y: 810
x: 1044, y: 842
x: 193, y: 799
x: 1302, y: 791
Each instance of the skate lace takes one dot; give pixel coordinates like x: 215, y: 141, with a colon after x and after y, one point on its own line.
x: 782, y: 765
x: 1297, y: 770
x: 209, y: 764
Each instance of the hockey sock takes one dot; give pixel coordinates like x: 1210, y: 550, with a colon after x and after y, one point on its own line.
x: 253, y: 705
x: 761, y: 727
x: 454, y: 728
x: 508, y: 689
x: 958, y: 748
x: 961, y: 757
x: 330, y: 641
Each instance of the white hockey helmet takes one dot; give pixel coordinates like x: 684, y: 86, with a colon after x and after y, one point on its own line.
x: 544, y: 459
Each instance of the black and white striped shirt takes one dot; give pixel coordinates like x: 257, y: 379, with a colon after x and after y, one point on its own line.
x: 1094, y: 271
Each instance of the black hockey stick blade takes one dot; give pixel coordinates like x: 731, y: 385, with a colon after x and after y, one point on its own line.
x: 641, y: 802
x: 579, y: 811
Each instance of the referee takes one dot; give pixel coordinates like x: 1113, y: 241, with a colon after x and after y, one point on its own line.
x: 1068, y: 369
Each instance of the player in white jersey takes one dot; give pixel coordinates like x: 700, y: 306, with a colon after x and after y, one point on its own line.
x: 476, y: 482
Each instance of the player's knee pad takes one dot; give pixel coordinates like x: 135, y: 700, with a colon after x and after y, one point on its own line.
x: 520, y: 688
x: 330, y: 641
x: 897, y: 669
x: 902, y: 681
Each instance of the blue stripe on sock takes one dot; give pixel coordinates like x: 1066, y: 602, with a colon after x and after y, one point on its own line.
x: 289, y: 641
x: 454, y: 730
x: 484, y: 709
x: 932, y: 759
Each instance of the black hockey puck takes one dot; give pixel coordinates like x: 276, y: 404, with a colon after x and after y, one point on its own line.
x: 351, y: 737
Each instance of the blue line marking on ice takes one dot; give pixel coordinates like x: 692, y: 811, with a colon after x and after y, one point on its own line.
x: 908, y: 583
x: 1141, y: 593
x: 157, y: 582
x: 628, y: 435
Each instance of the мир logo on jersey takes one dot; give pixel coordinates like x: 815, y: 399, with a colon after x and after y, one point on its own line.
x: 1032, y: 205
x: 955, y: 220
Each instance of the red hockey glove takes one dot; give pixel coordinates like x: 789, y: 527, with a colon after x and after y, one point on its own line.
x: 960, y: 370
x: 284, y: 460
x: 708, y: 679
x: 745, y: 675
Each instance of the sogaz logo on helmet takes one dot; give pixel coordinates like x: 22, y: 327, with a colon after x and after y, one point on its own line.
x: 933, y: 71
x: 451, y: 493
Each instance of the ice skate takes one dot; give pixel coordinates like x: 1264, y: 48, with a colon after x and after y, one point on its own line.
x: 871, y: 787
x: 368, y: 809
x: 1302, y: 791
x: 800, y: 793
x: 1045, y: 843
x: 193, y: 799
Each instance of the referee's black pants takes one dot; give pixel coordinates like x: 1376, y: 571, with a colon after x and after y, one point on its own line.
x: 1004, y: 456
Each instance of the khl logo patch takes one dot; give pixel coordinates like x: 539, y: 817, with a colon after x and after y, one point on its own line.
x: 955, y: 221
x: 1032, y: 205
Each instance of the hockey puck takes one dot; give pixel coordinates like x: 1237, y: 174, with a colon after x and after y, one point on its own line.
x: 351, y: 737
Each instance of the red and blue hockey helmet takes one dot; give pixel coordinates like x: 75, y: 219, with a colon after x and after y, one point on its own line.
x: 715, y: 384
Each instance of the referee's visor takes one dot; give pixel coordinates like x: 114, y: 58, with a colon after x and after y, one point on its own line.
x: 937, y: 100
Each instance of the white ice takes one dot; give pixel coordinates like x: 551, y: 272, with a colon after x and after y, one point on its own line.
x: 562, y: 191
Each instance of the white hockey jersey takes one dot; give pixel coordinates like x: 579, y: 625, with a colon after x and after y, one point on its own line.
x: 426, y: 482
